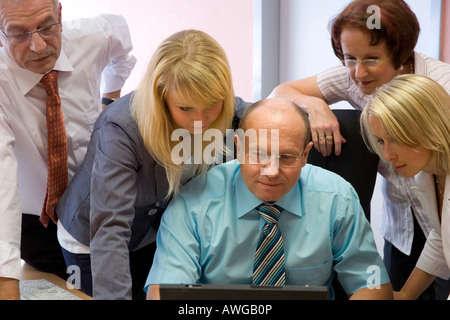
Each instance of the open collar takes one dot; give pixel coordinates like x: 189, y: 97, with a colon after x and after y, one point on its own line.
x: 246, y: 201
x: 27, y: 80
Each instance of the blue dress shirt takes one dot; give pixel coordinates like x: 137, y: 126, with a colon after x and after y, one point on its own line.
x: 209, y: 233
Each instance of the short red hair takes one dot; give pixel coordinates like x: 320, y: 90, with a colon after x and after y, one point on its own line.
x: 399, y: 28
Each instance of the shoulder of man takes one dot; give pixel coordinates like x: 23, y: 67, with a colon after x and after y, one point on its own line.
x: 211, y: 185
x: 317, y: 179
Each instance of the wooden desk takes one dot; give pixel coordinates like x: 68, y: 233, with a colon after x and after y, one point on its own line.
x: 29, y: 273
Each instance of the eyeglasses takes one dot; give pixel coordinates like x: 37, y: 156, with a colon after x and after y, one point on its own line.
x: 262, y: 158
x: 44, y: 32
x: 351, y: 63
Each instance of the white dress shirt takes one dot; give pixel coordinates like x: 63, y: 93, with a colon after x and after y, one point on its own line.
x: 399, y: 199
x: 94, y: 58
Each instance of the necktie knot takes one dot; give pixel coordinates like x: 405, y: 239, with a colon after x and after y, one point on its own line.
x: 50, y: 82
x: 270, y: 213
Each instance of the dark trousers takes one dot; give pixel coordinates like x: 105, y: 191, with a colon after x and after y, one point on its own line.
x: 140, y: 263
x: 399, y: 267
x: 40, y: 247
x: 82, y: 261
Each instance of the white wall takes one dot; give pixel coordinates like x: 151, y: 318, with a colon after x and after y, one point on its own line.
x: 230, y: 22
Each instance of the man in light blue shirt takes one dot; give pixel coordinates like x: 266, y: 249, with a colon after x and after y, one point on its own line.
x: 209, y: 232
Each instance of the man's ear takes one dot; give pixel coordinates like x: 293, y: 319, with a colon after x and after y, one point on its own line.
x: 60, y: 15
x: 306, y: 153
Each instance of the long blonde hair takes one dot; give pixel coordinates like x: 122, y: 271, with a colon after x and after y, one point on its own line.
x: 194, y: 66
x: 415, y: 111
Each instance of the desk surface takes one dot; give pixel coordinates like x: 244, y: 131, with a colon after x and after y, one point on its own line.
x: 29, y: 273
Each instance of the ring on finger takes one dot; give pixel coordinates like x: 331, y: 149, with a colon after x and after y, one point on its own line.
x: 321, y: 138
x: 329, y: 137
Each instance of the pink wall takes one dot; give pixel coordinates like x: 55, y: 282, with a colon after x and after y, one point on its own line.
x: 230, y: 22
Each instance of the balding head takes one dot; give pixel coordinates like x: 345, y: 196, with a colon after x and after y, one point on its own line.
x: 281, y: 110
x: 271, y: 163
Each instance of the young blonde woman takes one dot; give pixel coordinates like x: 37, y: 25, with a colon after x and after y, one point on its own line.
x: 407, y: 123
x: 109, y: 215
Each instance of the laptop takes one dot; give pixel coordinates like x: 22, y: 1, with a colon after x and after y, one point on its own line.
x: 241, y: 292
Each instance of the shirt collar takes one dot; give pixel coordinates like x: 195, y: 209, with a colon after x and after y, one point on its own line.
x: 27, y: 80
x: 246, y: 201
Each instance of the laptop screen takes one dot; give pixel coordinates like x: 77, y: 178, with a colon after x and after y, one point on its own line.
x: 241, y: 292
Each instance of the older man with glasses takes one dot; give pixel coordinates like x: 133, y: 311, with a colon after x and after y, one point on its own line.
x: 48, y: 69
x: 269, y: 218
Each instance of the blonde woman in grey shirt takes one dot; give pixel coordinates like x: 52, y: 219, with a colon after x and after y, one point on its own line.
x: 109, y: 214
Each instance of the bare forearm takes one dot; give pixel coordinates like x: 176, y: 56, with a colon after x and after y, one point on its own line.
x: 153, y: 292
x: 9, y: 289
x: 288, y: 92
x: 111, y: 95
x: 307, y: 95
x: 416, y: 284
x: 303, y: 92
x: 384, y: 292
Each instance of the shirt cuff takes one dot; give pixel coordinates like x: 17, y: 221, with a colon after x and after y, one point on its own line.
x: 10, y: 266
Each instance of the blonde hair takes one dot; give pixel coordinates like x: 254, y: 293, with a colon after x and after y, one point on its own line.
x: 415, y: 111
x: 194, y: 66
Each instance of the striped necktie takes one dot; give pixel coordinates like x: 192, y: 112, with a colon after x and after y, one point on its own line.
x: 268, y: 266
x: 57, y: 149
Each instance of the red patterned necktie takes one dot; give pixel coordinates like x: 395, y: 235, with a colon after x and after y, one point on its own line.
x: 57, y: 149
